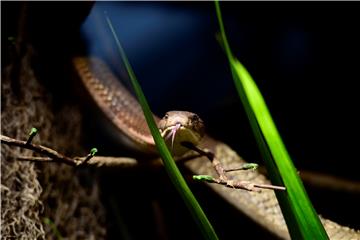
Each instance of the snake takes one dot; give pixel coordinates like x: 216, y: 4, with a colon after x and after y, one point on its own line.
x: 125, y: 115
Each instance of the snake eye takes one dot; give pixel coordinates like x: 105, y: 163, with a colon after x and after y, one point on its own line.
x: 195, y: 118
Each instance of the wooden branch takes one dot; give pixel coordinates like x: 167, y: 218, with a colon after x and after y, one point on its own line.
x: 245, y: 185
x: 223, y: 179
x: 54, y: 156
x: 58, y: 157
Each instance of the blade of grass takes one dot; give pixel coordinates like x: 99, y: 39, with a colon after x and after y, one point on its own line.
x: 301, y: 218
x: 169, y: 163
x: 53, y: 227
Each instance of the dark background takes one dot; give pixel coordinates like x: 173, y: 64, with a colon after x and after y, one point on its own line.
x: 303, y: 56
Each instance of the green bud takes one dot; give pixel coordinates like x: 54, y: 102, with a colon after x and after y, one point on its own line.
x: 33, y: 131
x: 252, y: 166
x: 93, y: 151
x: 203, y: 178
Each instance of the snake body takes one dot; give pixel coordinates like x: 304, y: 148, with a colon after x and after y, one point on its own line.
x: 126, y: 115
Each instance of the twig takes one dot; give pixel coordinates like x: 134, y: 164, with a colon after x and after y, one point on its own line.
x: 54, y: 156
x: 32, y: 134
x: 92, y: 153
x: 223, y: 179
x: 325, y: 181
x: 211, y: 156
x: 203, y: 152
x: 245, y: 166
x: 335, y: 183
x: 97, y: 161
x: 245, y: 185
x: 39, y: 149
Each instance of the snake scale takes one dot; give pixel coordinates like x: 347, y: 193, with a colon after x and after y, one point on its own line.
x: 126, y: 115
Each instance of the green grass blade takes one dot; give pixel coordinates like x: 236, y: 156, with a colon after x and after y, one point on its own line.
x: 169, y: 163
x: 301, y: 218
x: 53, y: 227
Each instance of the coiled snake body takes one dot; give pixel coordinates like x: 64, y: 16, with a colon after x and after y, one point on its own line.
x: 125, y: 113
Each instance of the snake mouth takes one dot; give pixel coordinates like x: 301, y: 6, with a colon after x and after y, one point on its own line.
x: 175, y: 135
x: 170, y: 132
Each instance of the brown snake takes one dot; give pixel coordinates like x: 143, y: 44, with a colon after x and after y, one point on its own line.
x: 126, y: 115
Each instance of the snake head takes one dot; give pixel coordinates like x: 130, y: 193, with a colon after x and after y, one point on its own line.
x: 181, y: 126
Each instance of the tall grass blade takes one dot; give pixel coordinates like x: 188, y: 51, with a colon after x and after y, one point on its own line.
x: 169, y: 163
x: 301, y: 218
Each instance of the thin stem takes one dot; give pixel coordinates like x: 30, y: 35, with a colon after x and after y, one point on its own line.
x: 54, y: 156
